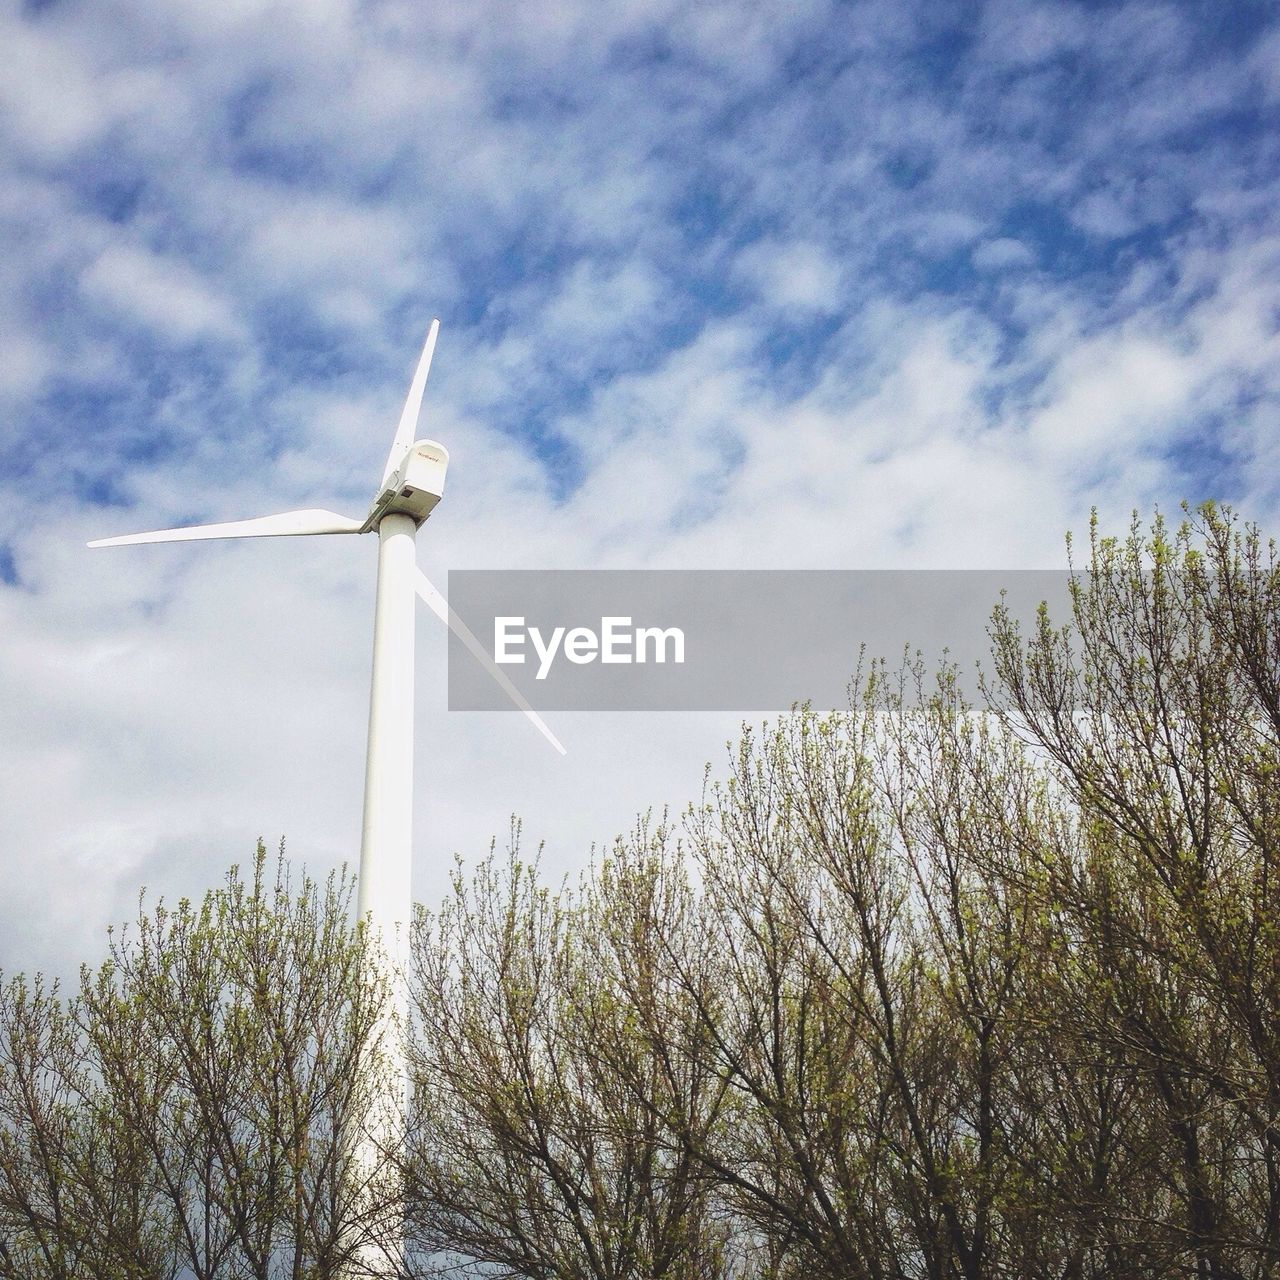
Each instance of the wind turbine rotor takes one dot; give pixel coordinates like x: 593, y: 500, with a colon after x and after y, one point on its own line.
x: 412, y: 485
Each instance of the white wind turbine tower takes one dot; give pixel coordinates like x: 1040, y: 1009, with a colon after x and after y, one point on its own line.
x: 412, y: 485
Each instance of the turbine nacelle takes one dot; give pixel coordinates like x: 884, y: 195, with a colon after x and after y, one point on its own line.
x: 415, y: 486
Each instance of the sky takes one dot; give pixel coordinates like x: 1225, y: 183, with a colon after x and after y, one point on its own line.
x: 722, y: 284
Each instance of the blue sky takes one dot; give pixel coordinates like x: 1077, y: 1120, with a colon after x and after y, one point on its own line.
x: 722, y: 284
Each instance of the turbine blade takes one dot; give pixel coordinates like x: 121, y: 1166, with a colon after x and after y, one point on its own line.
x: 406, y: 431
x: 440, y: 607
x: 287, y: 524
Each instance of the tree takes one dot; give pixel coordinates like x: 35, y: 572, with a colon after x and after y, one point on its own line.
x: 529, y: 1149
x: 992, y: 990
x: 871, y: 951
x: 1158, y: 710
x: 185, y: 1113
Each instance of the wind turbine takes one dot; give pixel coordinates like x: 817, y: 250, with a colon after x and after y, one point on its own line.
x: 412, y: 484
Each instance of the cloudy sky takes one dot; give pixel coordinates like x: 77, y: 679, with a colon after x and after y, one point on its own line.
x: 723, y: 284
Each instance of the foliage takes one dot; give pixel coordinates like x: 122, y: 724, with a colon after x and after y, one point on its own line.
x: 925, y: 988
x: 184, y: 1113
x: 540, y: 1146
x: 931, y: 988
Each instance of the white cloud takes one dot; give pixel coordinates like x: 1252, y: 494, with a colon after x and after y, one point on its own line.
x: 1109, y: 395
x: 165, y: 295
x: 799, y: 275
x: 1000, y: 253
x: 601, y: 303
x: 50, y: 99
x: 1022, y: 33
